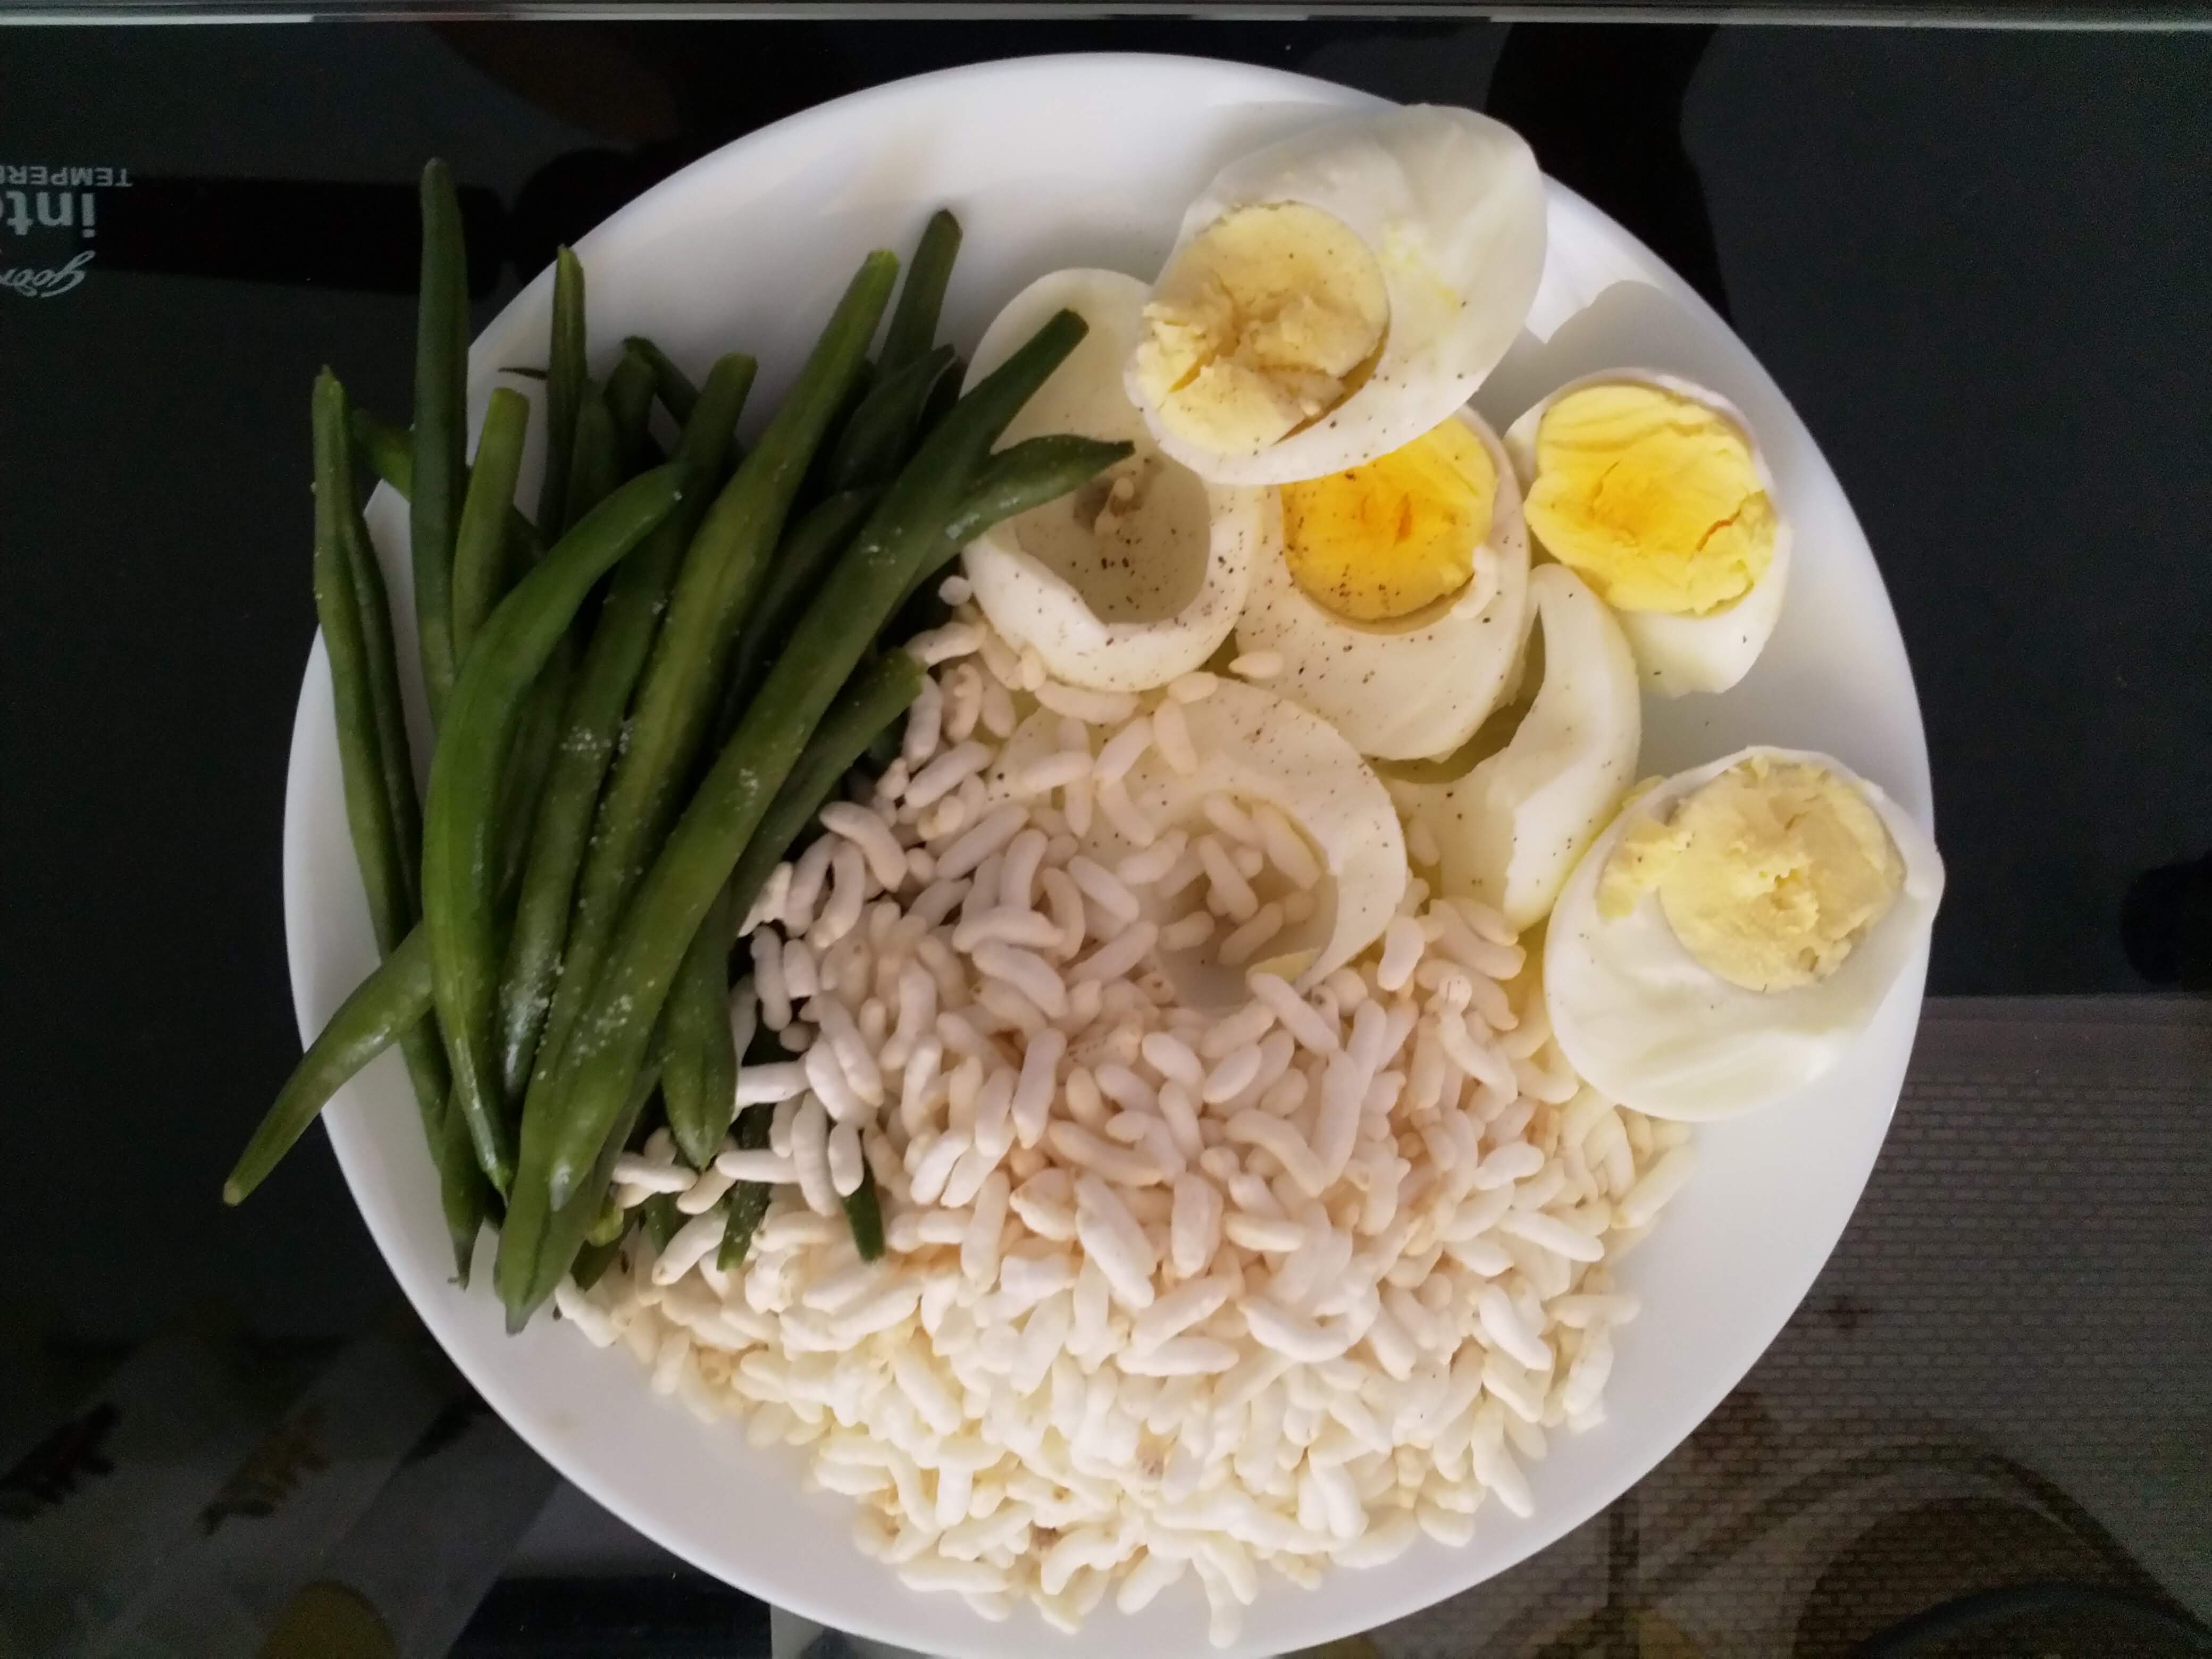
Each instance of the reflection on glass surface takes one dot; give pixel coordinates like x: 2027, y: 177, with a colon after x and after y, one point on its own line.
x: 1971, y: 260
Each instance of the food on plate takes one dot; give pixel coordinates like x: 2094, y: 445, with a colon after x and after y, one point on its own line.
x: 1281, y: 847
x: 938, y: 1017
x: 439, y: 926
x: 1333, y: 296
x: 1655, y: 492
x: 1139, y: 576
x: 1167, y: 1290
x: 1508, y: 827
x: 1731, y: 934
x: 1383, y: 541
x: 1389, y: 535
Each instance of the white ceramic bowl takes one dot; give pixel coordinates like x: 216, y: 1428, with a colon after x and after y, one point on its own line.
x: 1089, y: 160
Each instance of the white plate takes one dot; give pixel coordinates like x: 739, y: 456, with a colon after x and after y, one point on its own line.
x: 1089, y: 160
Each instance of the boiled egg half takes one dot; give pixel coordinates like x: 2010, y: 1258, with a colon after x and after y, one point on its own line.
x: 1732, y: 932
x: 1655, y: 492
x: 1140, y: 576
x: 1318, y: 853
x: 1399, y: 600
x: 1333, y: 296
x: 1510, y: 828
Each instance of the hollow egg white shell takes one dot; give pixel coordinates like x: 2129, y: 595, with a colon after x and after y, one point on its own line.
x: 1510, y: 830
x: 1681, y: 653
x: 1451, y: 204
x: 1115, y: 601
x: 1419, y: 686
x: 1254, y: 746
x: 1647, y: 1025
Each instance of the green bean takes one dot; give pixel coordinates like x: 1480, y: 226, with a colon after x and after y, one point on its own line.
x: 680, y: 1070
x: 883, y: 430
x: 482, y: 562
x: 628, y: 618
x: 565, y: 377
x: 913, y: 328
x: 864, y: 1214
x: 1023, y: 476
x: 630, y: 400
x: 661, y: 1220
x: 877, y: 440
x: 466, y: 1197
x: 441, y: 367
x: 384, y: 447
x: 594, y: 466
x: 816, y: 483
x: 530, y: 756
x: 808, y: 550
x: 613, y: 1223
x: 748, y: 1198
x: 944, y: 394
x: 462, y: 1196
x: 379, y: 777
x: 882, y: 749
x: 541, y: 1244
x: 699, y: 1079
x: 609, y: 1043
x: 396, y: 996
x: 675, y: 698
x: 459, y: 859
x: 394, y: 1000
x: 717, y: 1054
x: 592, y: 1261
x: 380, y: 668
x: 678, y: 395
x: 1029, y: 474
x: 521, y: 783
x: 594, y: 473
x: 369, y: 804
x: 876, y: 695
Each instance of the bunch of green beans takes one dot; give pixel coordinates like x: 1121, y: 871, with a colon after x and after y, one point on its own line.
x: 623, y: 759
x: 609, y: 1038
x: 629, y: 620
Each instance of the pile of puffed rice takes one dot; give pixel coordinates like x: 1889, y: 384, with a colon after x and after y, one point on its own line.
x: 1271, y: 1285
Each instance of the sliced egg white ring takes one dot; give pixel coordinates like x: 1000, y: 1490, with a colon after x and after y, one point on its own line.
x: 1680, y: 653
x: 1035, y: 738
x: 1510, y: 830
x: 1451, y: 204
x: 1254, y: 746
x: 1112, y: 601
x: 1415, y: 688
x: 1647, y: 1025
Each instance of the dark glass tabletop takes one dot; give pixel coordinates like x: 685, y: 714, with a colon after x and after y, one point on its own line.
x: 1973, y: 260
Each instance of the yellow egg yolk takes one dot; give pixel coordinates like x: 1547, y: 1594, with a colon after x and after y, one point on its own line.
x: 1769, y: 874
x: 1652, y: 498
x: 1263, y: 322
x: 1379, y: 541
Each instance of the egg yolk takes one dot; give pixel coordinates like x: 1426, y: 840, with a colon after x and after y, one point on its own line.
x: 1380, y: 540
x: 1263, y: 322
x: 1769, y: 874
x: 1652, y: 498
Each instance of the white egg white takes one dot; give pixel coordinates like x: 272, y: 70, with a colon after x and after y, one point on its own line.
x: 1451, y: 203
x: 1421, y: 686
x: 1510, y: 830
x: 1254, y: 746
x: 1647, y: 1025
x: 1678, y: 653
x: 1113, y: 614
